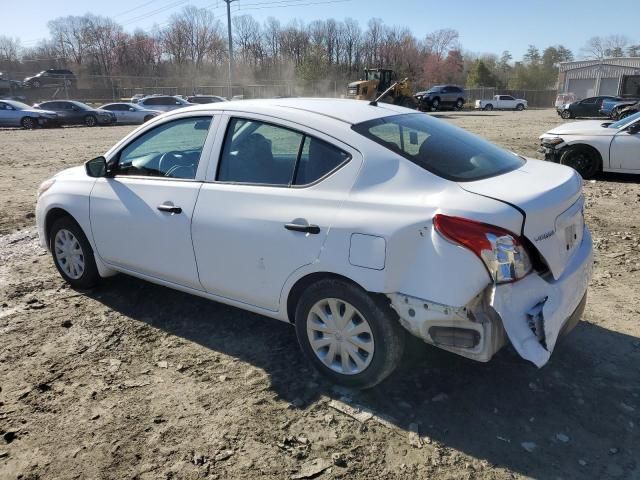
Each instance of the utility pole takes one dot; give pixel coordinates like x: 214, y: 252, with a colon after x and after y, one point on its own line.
x: 230, y: 92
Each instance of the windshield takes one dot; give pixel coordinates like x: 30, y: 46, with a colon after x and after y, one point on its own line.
x: 17, y: 105
x: 81, y: 105
x: 625, y: 121
x: 449, y: 152
x: 434, y: 89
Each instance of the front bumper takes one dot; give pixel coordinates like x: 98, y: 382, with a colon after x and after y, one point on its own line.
x: 531, y: 313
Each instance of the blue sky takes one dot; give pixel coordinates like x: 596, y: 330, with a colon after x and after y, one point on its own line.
x: 487, y: 26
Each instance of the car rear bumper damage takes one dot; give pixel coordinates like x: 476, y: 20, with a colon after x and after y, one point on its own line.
x: 531, y: 314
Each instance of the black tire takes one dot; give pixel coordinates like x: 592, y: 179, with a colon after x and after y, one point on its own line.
x: 28, y: 123
x: 566, y: 114
x: 435, y: 104
x: 459, y: 104
x: 520, y: 107
x: 582, y: 159
x: 488, y: 107
x: 90, y: 276
x: 387, y: 335
x: 90, y: 121
x: 36, y: 84
x: 147, y: 118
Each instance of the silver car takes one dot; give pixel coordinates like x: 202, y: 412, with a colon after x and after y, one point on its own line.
x: 130, y: 113
x: 163, y: 103
x: 18, y: 114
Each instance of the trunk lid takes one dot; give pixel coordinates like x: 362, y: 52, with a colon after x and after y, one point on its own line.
x: 550, y: 197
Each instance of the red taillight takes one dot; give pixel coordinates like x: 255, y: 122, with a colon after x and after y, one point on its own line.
x: 502, y: 252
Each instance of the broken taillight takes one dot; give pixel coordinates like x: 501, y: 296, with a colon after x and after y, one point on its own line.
x: 502, y: 252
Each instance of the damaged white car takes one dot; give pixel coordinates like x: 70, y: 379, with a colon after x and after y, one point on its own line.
x: 354, y: 221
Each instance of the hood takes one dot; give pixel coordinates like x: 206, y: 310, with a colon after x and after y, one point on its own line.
x: 78, y: 171
x: 587, y: 127
x: 550, y: 198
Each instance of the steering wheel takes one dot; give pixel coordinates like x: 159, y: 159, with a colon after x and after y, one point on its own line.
x: 168, y: 161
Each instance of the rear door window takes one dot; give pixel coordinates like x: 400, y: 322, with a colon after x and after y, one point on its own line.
x: 447, y: 151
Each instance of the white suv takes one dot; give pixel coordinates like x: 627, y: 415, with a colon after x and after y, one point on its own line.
x: 355, y: 222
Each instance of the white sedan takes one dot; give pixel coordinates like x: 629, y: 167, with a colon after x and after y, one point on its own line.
x: 130, y: 113
x: 594, y: 146
x: 354, y: 222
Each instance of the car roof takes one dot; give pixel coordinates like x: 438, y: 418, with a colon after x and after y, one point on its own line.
x: 299, y: 109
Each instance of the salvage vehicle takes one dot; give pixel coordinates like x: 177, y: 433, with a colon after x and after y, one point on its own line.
x: 130, y: 113
x: 611, y: 108
x: 502, y: 102
x: 591, y: 146
x: 51, y: 78
x: 628, y: 110
x: 18, y: 114
x: 71, y: 112
x: 355, y: 222
x: 588, y: 107
x: 438, y: 96
x: 376, y: 81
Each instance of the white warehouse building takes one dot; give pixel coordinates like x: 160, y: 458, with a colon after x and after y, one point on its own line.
x: 609, y: 76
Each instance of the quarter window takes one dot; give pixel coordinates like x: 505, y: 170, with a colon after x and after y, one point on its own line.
x: 264, y: 154
x: 171, y: 150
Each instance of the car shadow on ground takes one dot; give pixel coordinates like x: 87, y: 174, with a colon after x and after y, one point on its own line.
x: 572, y: 414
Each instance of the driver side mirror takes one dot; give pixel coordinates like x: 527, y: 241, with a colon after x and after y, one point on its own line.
x: 633, y: 129
x: 96, y: 167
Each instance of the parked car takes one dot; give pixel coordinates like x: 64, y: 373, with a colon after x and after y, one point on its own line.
x: 51, y: 78
x: 163, y: 103
x: 592, y: 146
x: 588, y: 107
x: 137, y: 97
x: 564, y: 98
x: 355, y: 223
x: 502, y: 102
x: 18, y: 114
x: 610, y: 108
x: 205, y: 99
x: 8, y: 85
x: 627, y: 111
x: 439, y: 96
x: 130, y: 113
x: 71, y: 112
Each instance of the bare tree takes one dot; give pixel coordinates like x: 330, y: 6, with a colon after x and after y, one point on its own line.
x: 9, y: 49
x: 69, y: 35
x: 439, y: 43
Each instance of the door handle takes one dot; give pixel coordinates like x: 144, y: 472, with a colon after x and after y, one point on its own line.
x: 169, y: 208
x: 296, y: 227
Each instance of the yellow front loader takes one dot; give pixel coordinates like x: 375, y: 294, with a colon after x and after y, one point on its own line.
x: 379, y: 81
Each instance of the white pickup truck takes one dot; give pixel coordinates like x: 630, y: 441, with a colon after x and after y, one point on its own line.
x: 502, y: 102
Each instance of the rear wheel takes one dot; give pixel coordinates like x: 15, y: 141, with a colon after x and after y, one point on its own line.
x: 583, y: 160
x: 566, y: 114
x: 72, y: 254
x: 28, y: 123
x: 349, y: 337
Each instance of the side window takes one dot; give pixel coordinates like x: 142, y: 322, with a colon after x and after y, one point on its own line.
x: 171, y: 150
x: 316, y: 160
x: 260, y: 153
x: 401, y: 139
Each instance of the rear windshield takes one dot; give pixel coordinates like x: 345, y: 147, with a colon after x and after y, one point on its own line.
x: 439, y: 147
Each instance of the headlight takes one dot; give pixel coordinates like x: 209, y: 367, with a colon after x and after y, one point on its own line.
x: 552, y: 141
x: 46, y: 185
x: 502, y: 252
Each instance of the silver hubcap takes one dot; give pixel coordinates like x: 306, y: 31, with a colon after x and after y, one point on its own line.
x: 340, y: 336
x: 69, y: 254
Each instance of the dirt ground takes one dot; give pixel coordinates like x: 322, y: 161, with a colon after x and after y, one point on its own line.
x: 136, y: 381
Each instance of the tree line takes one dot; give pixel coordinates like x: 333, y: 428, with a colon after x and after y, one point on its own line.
x: 193, y: 45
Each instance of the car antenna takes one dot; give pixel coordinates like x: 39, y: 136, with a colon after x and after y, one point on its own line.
x: 374, y: 102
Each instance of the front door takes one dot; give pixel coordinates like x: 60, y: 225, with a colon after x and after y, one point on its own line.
x: 141, y: 214
x: 625, y: 151
x: 268, y: 212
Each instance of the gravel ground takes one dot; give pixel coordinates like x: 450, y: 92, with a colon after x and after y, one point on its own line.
x: 133, y: 380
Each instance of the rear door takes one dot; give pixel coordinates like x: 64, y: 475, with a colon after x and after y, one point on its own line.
x: 269, y: 207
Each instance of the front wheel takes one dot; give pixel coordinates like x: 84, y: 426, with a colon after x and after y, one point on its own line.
x: 435, y: 104
x: 349, y: 337
x: 566, y: 114
x: 90, y: 121
x: 28, y: 123
x: 583, y: 160
x: 147, y: 118
x: 520, y: 107
x: 459, y: 104
x: 72, y: 254
x: 489, y: 107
